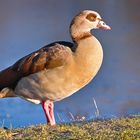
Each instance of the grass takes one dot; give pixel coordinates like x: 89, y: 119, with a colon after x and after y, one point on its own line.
x: 127, y: 128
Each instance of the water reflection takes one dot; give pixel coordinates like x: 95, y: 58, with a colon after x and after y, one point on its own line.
x: 27, y: 25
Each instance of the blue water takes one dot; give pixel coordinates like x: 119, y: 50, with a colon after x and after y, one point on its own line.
x: 26, y: 26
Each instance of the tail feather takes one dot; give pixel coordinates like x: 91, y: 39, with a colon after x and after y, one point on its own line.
x: 7, y: 92
x: 8, y: 78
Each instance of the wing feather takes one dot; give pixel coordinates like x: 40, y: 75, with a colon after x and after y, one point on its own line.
x: 48, y: 57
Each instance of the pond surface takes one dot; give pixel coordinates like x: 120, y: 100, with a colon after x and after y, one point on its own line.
x: 26, y: 26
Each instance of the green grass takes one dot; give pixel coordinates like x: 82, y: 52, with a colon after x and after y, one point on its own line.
x: 127, y: 128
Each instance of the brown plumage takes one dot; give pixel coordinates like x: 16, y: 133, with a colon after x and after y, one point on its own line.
x: 50, y: 56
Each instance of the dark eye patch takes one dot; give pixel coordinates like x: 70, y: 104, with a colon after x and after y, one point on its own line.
x: 91, y: 17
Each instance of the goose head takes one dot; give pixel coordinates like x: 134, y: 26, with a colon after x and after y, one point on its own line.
x: 85, y: 21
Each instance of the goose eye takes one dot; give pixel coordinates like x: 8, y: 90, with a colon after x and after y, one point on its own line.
x: 91, y: 17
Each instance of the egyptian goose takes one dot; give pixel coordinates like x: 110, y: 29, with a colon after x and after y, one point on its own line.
x: 59, y: 69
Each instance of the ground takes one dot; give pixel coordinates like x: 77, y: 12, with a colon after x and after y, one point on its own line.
x: 125, y: 128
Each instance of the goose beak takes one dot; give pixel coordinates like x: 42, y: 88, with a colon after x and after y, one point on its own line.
x: 103, y: 25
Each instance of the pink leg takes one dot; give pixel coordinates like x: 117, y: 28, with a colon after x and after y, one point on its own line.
x: 49, y: 111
